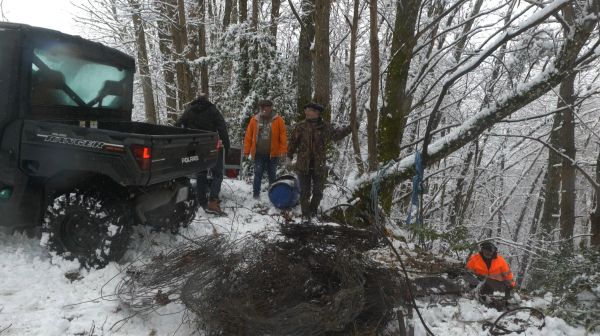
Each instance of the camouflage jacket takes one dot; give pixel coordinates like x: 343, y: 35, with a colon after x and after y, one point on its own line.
x: 309, y: 140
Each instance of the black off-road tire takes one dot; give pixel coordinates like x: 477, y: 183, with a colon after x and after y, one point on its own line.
x: 89, y: 225
x: 174, y: 216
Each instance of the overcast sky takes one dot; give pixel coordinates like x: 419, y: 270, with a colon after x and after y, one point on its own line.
x: 53, y: 14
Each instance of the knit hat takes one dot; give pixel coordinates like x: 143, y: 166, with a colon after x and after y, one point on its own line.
x: 315, y: 107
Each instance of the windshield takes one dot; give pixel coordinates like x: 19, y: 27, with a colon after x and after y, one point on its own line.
x: 60, y: 76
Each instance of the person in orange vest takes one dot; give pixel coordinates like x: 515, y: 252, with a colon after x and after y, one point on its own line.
x: 491, y: 267
x: 265, y: 142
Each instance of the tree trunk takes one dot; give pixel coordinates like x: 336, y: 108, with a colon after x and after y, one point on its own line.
x: 304, y: 70
x: 254, y: 21
x: 253, y: 54
x: 551, y: 208
x: 524, y: 264
x: 374, y: 99
x: 202, y: 46
x: 566, y: 100
x: 397, y: 102
x: 244, y: 56
x: 165, y: 42
x: 567, y: 171
x: 227, y: 13
x: 436, y: 9
x: 321, y: 60
x: 478, y: 153
x: 234, y: 12
x: 142, y: 59
x: 523, y: 211
x: 353, y: 101
x: 193, y: 44
x: 460, y: 46
x: 595, y: 215
x: 275, y: 6
x: 179, y: 34
x: 457, y: 200
x: 501, y: 192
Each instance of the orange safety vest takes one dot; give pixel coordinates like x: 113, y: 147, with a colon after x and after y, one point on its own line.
x: 498, y: 270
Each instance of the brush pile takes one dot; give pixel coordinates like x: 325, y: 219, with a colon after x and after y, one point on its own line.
x: 302, y: 280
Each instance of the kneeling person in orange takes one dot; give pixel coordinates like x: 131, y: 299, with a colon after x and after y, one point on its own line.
x: 488, y: 264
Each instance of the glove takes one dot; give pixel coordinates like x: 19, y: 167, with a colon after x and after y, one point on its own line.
x: 289, y: 165
x: 453, y: 273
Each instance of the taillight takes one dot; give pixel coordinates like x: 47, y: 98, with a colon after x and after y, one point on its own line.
x: 143, y: 156
x: 219, y: 143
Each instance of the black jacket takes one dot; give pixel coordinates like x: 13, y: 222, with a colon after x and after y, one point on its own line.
x: 204, y: 115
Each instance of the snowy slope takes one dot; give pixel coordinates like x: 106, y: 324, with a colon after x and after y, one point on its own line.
x: 36, y: 298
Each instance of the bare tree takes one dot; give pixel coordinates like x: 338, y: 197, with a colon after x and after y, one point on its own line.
x: 462, y: 41
x: 165, y: 43
x: 374, y: 99
x: 142, y: 62
x: 353, y: 99
x: 595, y: 214
x: 397, y: 103
x: 321, y: 60
x: 304, y: 68
x: 179, y: 36
x: 244, y: 55
x: 566, y: 62
x: 566, y: 99
x: 204, y: 82
x: 275, y: 7
x: 227, y: 13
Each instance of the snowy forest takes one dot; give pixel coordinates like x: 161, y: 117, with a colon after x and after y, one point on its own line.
x: 498, y: 97
x: 471, y: 120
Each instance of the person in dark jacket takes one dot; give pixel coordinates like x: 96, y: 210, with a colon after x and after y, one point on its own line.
x: 201, y: 114
x: 309, y: 141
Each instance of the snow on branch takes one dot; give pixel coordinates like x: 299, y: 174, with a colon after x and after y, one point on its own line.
x: 401, y: 169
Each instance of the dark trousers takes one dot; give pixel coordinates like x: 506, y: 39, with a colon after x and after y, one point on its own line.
x: 212, y: 187
x: 490, y: 286
x: 311, y: 184
x: 263, y: 162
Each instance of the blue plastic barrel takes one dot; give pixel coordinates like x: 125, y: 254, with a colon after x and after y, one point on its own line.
x: 284, y: 193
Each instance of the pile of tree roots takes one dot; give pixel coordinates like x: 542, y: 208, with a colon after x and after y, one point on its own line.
x: 301, y: 280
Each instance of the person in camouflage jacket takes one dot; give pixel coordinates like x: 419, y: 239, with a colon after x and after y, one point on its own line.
x: 309, y: 141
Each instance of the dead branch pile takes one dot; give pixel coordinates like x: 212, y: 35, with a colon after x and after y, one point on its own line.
x: 306, y: 280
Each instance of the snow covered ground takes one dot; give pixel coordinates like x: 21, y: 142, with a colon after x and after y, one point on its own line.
x: 43, y: 295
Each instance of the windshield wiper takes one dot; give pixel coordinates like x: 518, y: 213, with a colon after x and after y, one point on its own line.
x: 59, y: 80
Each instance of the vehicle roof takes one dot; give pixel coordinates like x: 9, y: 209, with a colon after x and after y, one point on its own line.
x: 115, y: 55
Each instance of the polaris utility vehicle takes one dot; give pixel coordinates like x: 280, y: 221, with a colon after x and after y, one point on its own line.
x: 71, y: 159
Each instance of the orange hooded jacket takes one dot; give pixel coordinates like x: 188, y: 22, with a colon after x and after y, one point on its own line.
x: 498, y: 270
x: 279, y: 145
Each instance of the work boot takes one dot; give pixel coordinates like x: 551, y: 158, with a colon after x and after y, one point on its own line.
x: 213, y: 207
